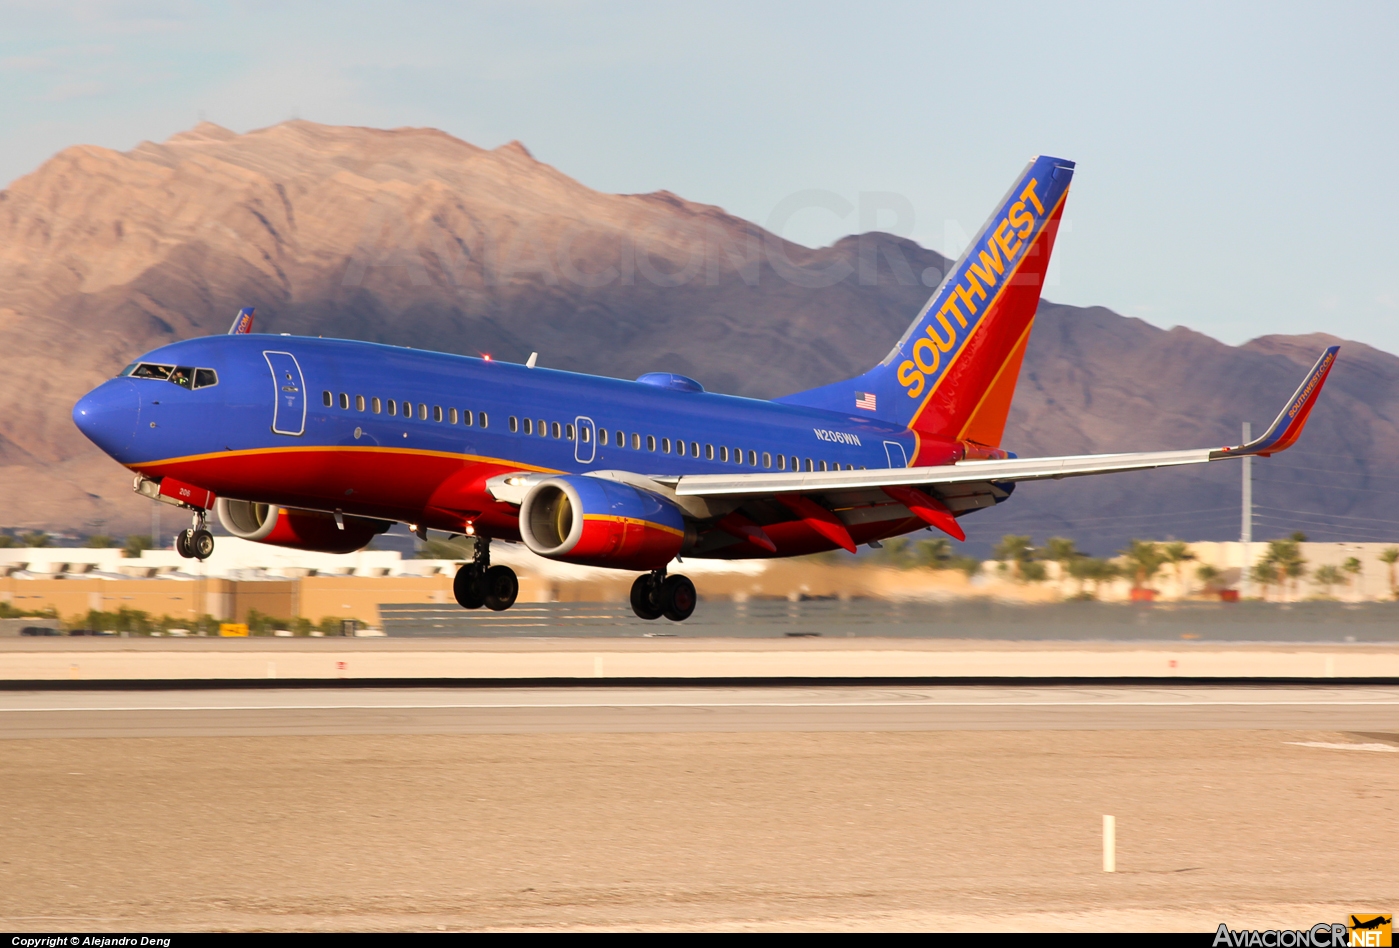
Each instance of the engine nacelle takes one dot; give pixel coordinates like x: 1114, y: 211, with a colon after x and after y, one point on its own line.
x: 598, y: 522
x: 295, y: 528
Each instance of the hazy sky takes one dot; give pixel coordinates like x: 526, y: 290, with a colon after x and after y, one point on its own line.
x: 1235, y: 163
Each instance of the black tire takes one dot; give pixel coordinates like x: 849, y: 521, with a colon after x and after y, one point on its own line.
x: 643, y: 599
x: 467, y: 588
x: 501, y: 588
x: 201, y: 544
x: 182, y: 545
x: 678, y: 595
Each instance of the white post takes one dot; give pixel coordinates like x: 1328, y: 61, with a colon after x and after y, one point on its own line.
x: 1246, y: 528
x: 1109, y: 844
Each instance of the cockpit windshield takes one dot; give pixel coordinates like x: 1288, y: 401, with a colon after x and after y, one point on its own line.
x: 184, y: 376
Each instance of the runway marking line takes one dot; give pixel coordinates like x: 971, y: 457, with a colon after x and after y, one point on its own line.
x: 743, y: 704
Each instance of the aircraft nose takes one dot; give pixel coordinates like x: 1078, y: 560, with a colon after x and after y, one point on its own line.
x: 109, y: 414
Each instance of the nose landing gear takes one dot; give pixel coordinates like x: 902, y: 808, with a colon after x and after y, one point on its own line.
x: 478, y: 583
x: 654, y: 595
x: 195, y: 542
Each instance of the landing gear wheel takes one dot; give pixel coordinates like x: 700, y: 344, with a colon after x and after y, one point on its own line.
x: 643, y: 598
x: 200, y: 544
x: 678, y: 595
x: 501, y: 587
x: 182, y: 544
x: 467, y: 587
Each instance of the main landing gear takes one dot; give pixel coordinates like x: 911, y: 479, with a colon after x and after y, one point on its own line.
x: 654, y: 595
x: 195, y: 542
x: 478, y: 583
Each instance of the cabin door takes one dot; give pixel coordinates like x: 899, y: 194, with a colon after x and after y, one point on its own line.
x: 585, y: 445
x: 289, y: 413
x: 895, y: 453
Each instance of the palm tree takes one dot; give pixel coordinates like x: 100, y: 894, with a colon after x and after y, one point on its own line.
x: 1328, y: 576
x: 1177, y: 554
x: 1285, y: 556
x: 1389, y: 557
x: 1207, y: 574
x: 1086, y: 568
x: 1144, y: 559
x: 1264, y: 574
x: 1015, y: 550
x: 1063, y: 551
x: 1353, y: 567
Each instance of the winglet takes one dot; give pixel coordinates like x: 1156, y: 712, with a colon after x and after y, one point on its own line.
x: 1287, y: 428
x: 243, y: 322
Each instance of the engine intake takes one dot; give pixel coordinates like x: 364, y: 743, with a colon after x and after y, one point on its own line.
x: 295, y: 528
x: 597, y: 522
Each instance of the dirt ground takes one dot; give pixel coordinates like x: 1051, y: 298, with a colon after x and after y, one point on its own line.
x: 988, y: 831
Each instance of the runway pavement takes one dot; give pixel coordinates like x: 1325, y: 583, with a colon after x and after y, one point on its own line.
x: 349, y: 711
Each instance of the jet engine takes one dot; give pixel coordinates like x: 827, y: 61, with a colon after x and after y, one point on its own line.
x: 295, y: 528
x: 597, y: 522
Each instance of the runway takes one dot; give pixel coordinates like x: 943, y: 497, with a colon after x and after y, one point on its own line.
x: 350, y: 711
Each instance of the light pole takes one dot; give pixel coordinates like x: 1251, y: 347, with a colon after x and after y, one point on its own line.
x: 1246, y: 527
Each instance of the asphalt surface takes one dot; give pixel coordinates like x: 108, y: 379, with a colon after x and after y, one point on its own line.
x: 865, y: 618
x: 582, y: 710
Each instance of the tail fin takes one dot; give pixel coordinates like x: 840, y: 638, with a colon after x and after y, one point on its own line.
x: 243, y: 322
x: 953, y: 373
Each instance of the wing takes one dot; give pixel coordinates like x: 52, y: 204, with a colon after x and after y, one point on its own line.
x: 745, y: 512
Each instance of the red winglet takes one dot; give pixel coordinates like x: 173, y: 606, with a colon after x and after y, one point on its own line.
x: 928, y: 509
x: 737, y: 525
x: 819, y: 519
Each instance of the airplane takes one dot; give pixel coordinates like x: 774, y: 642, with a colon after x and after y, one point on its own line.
x: 323, y: 444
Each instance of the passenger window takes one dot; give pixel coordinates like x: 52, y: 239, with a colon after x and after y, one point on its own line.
x: 436, y: 412
x: 422, y: 411
x: 709, y: 452
x: 809, y: 465
x: 680, y: 448
x: 602, y: 437
x: 359, y: 403
x: 782, y: 462
x: 326, y: 399
x: 451, y: 416
x: 543, y: 428
x: 823, y: 465
x: 466, y: 418
x: 376, y: 405
x: 650, y: 442
x: 694, y: 449
x: 738, y: 455
x: 568, y: 432
x: 636, y: 441
x: 514, y: 423
x: 205, y: 378
x: 723, y: 453
x: 555, y: 430
x: 529, y: 426
x: 767, y: 459
x: 393, y: 407
x: 796, y: 464
x: 485, y: 422
x: 752, y: 458
x: 344, y: 401
x: 587, y: 434
x: 621, y: 439
x: 665, y: 445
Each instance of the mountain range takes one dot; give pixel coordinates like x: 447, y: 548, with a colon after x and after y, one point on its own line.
x: 412, y: 237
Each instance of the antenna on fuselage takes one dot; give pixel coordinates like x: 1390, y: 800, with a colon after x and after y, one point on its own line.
x: 533, y: 358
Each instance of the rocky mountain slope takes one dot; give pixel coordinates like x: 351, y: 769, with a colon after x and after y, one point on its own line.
x: 413, y: 237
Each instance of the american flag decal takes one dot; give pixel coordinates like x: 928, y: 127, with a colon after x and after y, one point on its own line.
x: 865, y: 400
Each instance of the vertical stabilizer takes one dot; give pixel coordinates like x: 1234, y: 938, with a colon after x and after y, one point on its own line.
x: 952, y: 376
